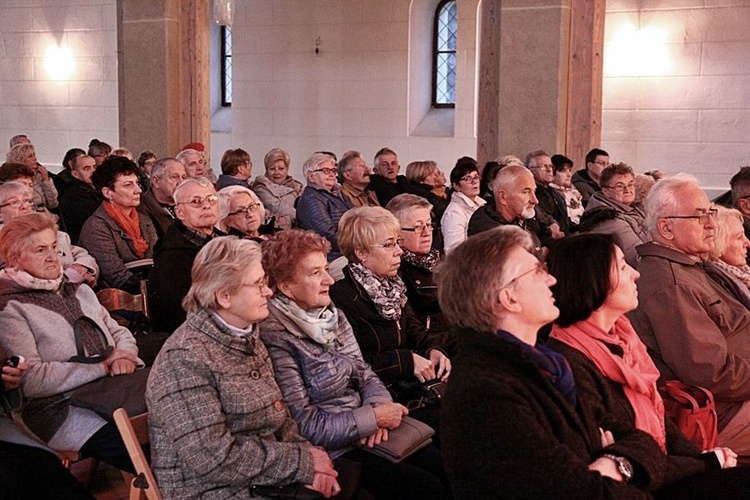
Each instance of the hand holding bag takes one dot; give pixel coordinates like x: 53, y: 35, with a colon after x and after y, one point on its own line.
x: 692, y: 408
x: 403, y: 441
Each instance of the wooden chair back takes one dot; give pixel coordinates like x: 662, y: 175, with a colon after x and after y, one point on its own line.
x: 134, y: 432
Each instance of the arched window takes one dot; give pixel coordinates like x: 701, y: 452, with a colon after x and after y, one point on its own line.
x: 226, y: 66
x: 445, y: 33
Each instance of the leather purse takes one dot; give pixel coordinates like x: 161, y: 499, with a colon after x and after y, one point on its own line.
x: 107, y: 394
x: 403, y: 441
x: 692, y: 408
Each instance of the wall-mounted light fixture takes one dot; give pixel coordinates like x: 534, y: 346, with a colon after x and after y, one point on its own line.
x: 59, y: 62
x: 223, y: 12
x: 637, y: 52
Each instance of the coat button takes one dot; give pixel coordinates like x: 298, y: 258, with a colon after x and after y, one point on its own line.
x: 278, y: 405
x: 255, y: 374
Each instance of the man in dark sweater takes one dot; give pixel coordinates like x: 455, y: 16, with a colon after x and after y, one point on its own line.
x: 79, y: 199
x: 385, y: 182
x: 587, y: 181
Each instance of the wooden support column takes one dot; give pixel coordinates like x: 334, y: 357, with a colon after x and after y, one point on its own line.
x: 584, y: 125
x: 488, y: 103
x: 163, y: 50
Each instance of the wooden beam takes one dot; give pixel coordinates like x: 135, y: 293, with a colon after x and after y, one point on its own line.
x: 488, y: 101
x: 194, y: 72
x: 584, y: 112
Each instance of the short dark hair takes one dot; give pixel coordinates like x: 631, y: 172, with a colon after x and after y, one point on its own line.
x: 10, y: 171
x: 561, y: 162
x: 112, y: 168
x: 489, y: 172
x: 464, y: 166
x: 740, y: 183
x: 615, y: 169
x: 581, y: 264
x: 232, y: 159
x: 591, y: 155
x: 71, y: 154
x: 145, y: 156
x: 96, y: 146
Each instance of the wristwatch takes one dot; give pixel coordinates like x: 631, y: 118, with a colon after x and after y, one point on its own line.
x: 623, y: 465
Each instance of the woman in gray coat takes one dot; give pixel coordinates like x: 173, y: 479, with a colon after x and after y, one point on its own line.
x: 335, y: 397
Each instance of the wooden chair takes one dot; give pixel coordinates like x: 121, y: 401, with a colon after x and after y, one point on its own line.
x: 134, y: 432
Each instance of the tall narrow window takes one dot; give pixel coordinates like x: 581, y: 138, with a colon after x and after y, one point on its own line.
x: 444, y: 59
x: 226, y: 66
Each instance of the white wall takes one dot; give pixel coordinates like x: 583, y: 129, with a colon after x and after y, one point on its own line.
x: 690, y: 112
x: 58, y: 115
x: 353, y: 94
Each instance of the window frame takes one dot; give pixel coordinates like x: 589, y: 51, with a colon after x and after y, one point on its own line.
x: 436, y: 53
x: 224, y: 59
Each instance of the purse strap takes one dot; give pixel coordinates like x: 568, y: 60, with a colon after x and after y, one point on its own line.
x: 81, y: 356
x: 681, y: 393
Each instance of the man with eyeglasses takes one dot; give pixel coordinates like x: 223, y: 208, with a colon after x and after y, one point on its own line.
x: 551, y: 209
x: 158, y: 202
x: 385, y: 182
x: 587, y: 181
x: 322, y: 204
x: 196, y: 208
x: 115, y: 234
x: 613, y: 211
x: 740, y: 184
x: 695, y: 330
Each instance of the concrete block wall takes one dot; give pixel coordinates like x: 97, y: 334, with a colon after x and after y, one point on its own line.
x: 58, y: 114
x: 353, y: 94
x: 690, y: 110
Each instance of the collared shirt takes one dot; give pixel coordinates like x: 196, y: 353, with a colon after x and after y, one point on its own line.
x: 359, y: 197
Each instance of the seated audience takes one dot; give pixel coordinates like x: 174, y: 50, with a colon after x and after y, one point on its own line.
x: 28, y: 469
x: 62, y: 178
x: 512, y: 203
x: 612, y: 211
x: 42, y: 319
x: 335, y: 397
x: 80, y: 198
x: 45, y: 194
x: 551, y: 204
x: 355, y: 177
x: 418, y: 262
x: 158, y: 202
x: 425, y: 179
x: 727, y: 263
x: 277, y: 189
x: 236, y: 169
x: 373, y: 298
x: 385, y: 182
x: 509, y: 421
x: 194, y: 162
x: 99, y: 151
x: 240, y: 213
x: 694, y: 329
x: 563, y: 167
x: 616, y: 381
x: 78, y: 265
x: 322, y: 204
x: 465, y: 200
x: 115, y: 234
x: 196, y: 210
x: 218, y: 422
x: 586, y: 180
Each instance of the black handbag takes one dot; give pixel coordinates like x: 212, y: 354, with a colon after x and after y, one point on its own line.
x: 414, y: 394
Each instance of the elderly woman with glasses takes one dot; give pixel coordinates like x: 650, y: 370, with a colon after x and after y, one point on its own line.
x: 79, y: 267
x: 418, y: 262
x: 322, y: 203
x: 67, y: 338
x: 612, y: 211
x: 335, y: 397
x: 465, y: 200
x: 241, y: 213
x: 277, y: 189
x: 374, y: 299
x: 219, y: 425
x: 509, y: 418
x: 45, y: 193
x: 727, y: 263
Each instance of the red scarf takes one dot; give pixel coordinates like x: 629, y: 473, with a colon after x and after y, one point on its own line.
x: 130, y: 224
x: 635, y: 370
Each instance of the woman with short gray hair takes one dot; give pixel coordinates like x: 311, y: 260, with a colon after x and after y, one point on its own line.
x: 241, y: 213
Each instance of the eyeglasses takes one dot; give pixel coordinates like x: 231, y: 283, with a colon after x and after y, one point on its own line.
x: 470, y: 179
x: 418, y: 228
x: 620, y: 187
x: 327, y: 171
x: 260, y: 285
x: 17, y: 203
x: 546, y: 167
x: 701, y: 218
x: 540, y: 269
x: 250, y: 209
x: 197, y: 202
x: 601, y: 162
x: 391, y: 245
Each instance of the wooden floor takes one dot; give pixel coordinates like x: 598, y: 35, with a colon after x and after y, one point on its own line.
x: 106, y: 483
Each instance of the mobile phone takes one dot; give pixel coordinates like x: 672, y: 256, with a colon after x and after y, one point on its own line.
x: 13, y: 361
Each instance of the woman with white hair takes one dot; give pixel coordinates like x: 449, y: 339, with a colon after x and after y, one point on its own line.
x: 241, y: 213
x: 45, y: 194
x: 218, y: 421
x: 322, y: 203
x: 727, y: 263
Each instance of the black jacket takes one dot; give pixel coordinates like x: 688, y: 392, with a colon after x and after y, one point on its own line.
x: 486, y: 218
x: 77, y: 202
x: 386, y: 190
x: 553, y: 204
